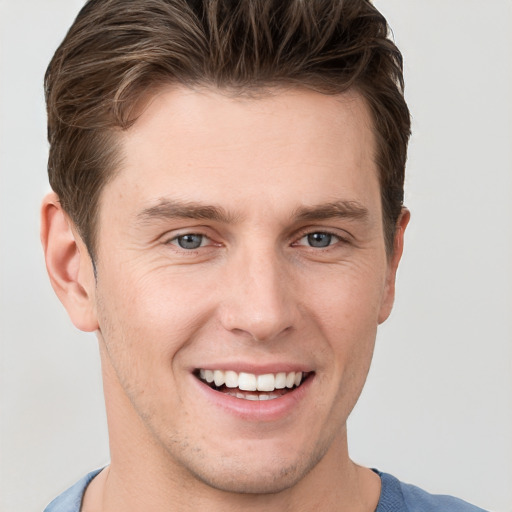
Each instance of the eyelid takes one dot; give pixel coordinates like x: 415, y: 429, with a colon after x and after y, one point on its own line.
x: 341, y: 235
x: 206, y: 240
x: 173, y: 234
x: 210, y: 239
x: 332, y: 243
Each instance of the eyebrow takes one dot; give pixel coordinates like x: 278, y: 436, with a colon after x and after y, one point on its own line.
x: 168, y: 209
x: 336, y: 209
x: 175, y: 209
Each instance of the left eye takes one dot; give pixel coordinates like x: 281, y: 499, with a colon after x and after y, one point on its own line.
x: 189, y: 241
x: 319, y: 239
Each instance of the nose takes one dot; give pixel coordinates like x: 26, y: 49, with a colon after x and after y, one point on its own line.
x: 259, y: 300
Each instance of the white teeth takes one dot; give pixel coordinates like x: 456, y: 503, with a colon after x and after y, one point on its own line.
x: 266, y: 382
x: 247, y: 396
x: 290, y: 380
x: 280, y: 380
x: 251, y: 382
x: 247, y: 381
x: 218, y: 377
x: 231, y: 379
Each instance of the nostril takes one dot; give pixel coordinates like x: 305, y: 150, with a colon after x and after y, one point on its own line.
x: 262, y: 333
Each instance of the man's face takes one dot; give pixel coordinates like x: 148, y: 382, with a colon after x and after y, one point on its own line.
x: 241, y: 238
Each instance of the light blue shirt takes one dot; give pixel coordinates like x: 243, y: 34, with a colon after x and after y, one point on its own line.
x: 395, y: 496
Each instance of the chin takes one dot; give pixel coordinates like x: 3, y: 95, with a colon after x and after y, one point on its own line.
x: 253, y: 481
x: 260, y: 474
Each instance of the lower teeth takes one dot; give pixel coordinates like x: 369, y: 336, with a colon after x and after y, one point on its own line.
x: 249, y: 396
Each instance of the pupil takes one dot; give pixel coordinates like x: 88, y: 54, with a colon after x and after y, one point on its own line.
x: 190, y: 241
x: 319, y: 239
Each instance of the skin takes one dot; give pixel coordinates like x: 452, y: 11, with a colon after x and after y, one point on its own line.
x: 254, y: 294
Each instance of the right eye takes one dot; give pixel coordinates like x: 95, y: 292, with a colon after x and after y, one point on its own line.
x: 319, y: 240
x: 189, y: 241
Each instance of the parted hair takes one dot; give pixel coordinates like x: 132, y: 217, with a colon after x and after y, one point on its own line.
x: 118, y: 51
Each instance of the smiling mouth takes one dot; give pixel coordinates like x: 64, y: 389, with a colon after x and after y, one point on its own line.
x: 248, y: 386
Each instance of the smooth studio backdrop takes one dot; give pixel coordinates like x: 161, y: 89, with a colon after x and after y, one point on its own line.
x: 437, y: 408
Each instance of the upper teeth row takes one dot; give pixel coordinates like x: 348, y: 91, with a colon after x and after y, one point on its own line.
x: 251, y: 382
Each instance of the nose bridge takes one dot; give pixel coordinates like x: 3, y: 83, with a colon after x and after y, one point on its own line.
x: 258, y: 300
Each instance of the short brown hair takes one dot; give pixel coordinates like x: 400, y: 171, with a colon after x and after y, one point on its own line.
x: 118, y: 50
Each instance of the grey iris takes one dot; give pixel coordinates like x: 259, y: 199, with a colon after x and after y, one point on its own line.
x: 319, y: 239
x: 190, y: 241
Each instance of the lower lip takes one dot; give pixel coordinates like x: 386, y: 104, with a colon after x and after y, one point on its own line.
x: 257, y: 410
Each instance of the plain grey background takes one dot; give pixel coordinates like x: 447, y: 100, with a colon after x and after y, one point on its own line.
x: 437, y: 408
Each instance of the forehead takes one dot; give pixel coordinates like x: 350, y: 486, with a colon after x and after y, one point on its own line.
x: 288, y: 146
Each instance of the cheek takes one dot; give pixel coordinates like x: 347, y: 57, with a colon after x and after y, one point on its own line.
x: 348, y: 298
x: 144, y: 323
x: 346, y: 311
x: 349, y: 325
x: 147, y: 322
x: 140, y: 336
x: 155, y: 306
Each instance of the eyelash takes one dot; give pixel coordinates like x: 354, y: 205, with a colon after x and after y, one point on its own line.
x: 306, y: 233
x: 174, y: 241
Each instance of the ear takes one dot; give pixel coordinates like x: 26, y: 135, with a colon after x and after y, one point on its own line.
x: 394, y: 260
x: 69, y: 265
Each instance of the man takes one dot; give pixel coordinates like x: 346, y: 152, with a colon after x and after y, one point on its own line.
x: 228, y: 217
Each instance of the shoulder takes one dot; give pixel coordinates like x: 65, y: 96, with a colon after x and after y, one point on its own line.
x: 398, y: 496
x: 71, y: 500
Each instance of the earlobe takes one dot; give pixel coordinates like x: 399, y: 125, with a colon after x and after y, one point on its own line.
x: 398, y: 247
x: 68, y: 264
